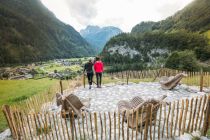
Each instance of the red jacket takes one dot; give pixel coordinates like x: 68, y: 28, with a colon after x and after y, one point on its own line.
x: 99, y: 66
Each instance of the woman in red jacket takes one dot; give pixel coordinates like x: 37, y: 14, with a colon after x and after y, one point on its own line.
x: 99, y: 68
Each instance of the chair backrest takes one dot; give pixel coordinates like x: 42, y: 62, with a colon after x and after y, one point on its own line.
x: 59, y: 100
x: 74, y: 100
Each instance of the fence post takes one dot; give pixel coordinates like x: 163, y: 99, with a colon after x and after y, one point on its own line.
x: 127, y: 76
x: 8, y: 115
x: 201, y: 80
x: 84, y: 80
x: 206, y: 123
x: 61, y: 85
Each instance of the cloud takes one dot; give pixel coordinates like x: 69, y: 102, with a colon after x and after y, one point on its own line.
x: 168, y: 8
x: 82, y: 10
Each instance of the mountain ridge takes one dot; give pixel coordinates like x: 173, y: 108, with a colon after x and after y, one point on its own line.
x: 98, y: 36
x: 30, y: 32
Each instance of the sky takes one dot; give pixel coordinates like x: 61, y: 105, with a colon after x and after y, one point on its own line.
x: 124, y: 14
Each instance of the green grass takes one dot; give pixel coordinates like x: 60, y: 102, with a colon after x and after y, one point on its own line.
x: 13, y: 91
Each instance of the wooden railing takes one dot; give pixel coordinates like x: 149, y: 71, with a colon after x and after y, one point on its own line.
x: 201, y: 78
x: 171, y: 120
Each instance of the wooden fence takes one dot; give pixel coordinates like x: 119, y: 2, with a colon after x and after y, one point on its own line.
x: 201, y: 78
x: 171, y: 120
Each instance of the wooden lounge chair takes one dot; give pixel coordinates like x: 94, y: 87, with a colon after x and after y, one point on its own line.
x: 171, y: 82
x: 129, y: 108
x: 71, y: 103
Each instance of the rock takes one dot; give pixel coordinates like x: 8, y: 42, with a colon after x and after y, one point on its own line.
x: 204, y: 138
x: 196, y: 134
x: 6, y: 135
x: 186, y: 136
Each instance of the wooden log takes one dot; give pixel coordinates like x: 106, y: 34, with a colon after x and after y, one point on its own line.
x: 201, y: 80
x: 101, y: 126
x: 180, y: 119
x: 191, y: 108
x: 167, y: 121
x: 53, y: 115
x: 96, y: 126
x: 119, y: 125
x: 8, y: 115
x: 159, y: 121
x: 73, y: 126
x: 110, y: 126
x: 164, y: 120
x: 137, y: 120
x: 88, y: 127
x: 115, y: 126
x: 202, y: 112
x: 172, y: 119
x: 91, y: 126
x: 147, y: 122
x: 206, y: 123
x: 83, y: 125
x: 151, y: 116
x: 61, y: 86
x: 105, y: 125
x: 194, y: 113
x: 133, y: 125
x: 185, y: 116
x: 123, y: 120
x: 198, y: 113
x: 128, y: 124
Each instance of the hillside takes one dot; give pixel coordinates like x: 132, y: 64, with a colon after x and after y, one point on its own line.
x: 30, y: 32
x: 97, y: 37
x: 151, y: 44
x: 194, y: 17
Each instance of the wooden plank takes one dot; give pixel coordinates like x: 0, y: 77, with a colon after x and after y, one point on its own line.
x: 132, y: 133
x: 96, y: 126
x: 147, y: 122
x: 167, y: 121
x: 123, y: 121
x: 172, y: 119
x: 101, y: 126
x: 185, y: 116
x: 91, y: 126
x: 191, y: 108
x: 137, y: 120
x: 206, y: 123
x: 164, y: 120
x: 202, y: 112
x: 177, y: 115
x: 105, y: 126
x: 83, y: 125
x: 110, y: 126
x: 74, y: 129
x: 150, y: 121
x: 159, y: 121
x: 115, y: 126
x: 194, y: 113
x: 88, y: 127
x: 119, y: 125
x: 180, y: 119
x: 128, y: 123
x: 53, y: 115
x: 198, y: 112
x: 66, y: 125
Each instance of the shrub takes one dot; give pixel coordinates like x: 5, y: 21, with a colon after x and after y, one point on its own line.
x: 184, y: 60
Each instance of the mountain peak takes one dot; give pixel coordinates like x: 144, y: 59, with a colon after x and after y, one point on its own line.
x: 98, y: 36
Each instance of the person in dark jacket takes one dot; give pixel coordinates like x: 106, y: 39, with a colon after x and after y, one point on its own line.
x: 88, y: 68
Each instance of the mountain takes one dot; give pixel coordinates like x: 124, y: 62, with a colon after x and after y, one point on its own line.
x: 151, y: 44
x: 30, y: 32
x: 194, y: 17
x: 97, y: 37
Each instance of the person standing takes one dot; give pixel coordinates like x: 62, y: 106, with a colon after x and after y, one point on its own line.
x: 88, y: 68
x: 99, y: 68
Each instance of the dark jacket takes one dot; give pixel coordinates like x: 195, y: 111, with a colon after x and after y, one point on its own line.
x: 88, y: 67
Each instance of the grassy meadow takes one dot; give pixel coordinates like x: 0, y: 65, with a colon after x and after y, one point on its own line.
x: 13, y: 91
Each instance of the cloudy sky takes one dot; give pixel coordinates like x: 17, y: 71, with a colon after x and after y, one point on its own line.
x: 120, y: 13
